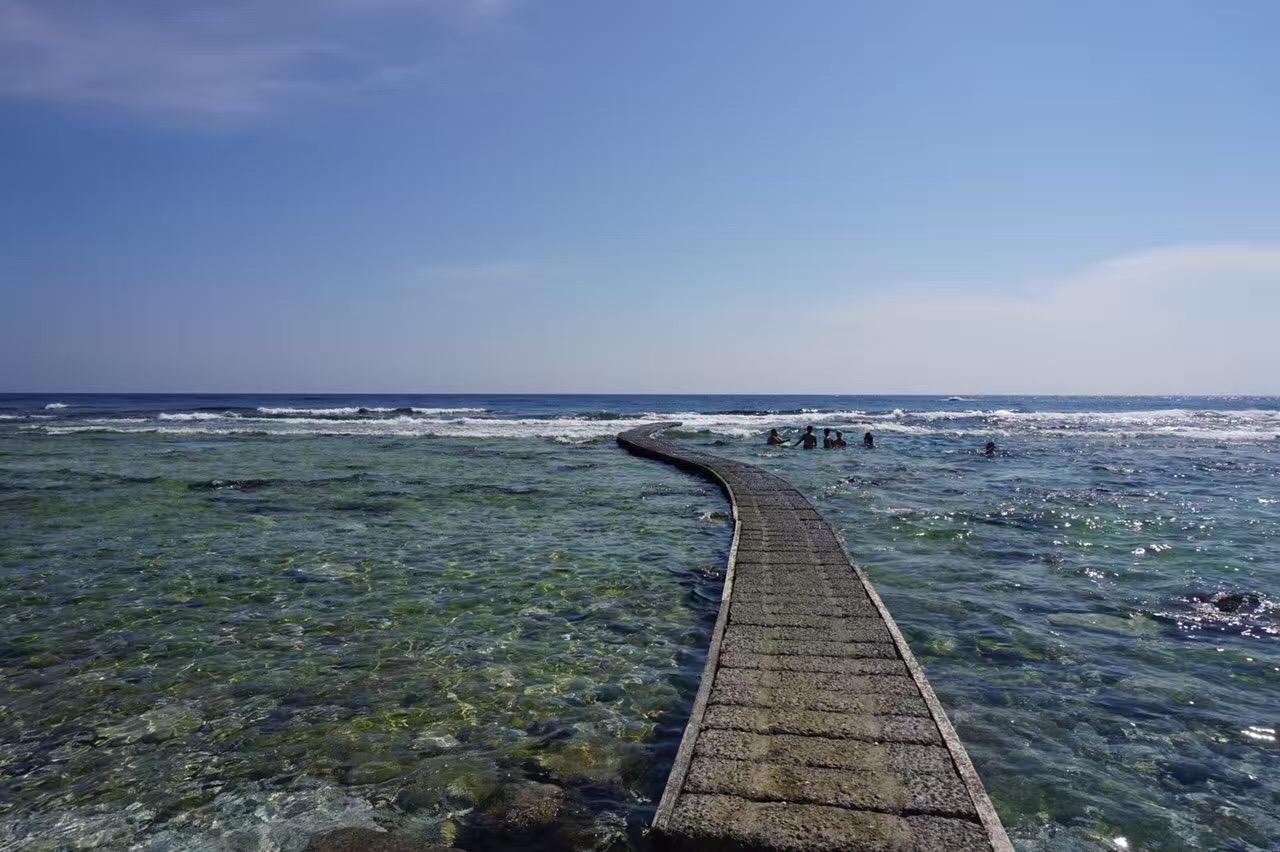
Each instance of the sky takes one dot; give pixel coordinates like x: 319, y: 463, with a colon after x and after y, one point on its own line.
x: 576, y: 196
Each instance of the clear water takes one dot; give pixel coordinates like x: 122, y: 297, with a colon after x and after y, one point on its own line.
x: 227, y: 628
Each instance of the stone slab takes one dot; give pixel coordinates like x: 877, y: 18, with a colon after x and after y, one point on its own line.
x: 815, y: 723
x: 797, y: 663
x: 828, y: 700
x: 792, y: 647
x: 832, y: 681
x: 716, y: 823
x: 842, y: 630
x: 842, y: 608
x: 821, y: 751
x: 885, y: 790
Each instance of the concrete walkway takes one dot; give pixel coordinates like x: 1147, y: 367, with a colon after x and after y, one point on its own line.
x: 814, y: 727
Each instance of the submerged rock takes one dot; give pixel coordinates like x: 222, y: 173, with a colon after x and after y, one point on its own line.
x: 588, y: 762
x: 538, y: 817
x: 1235, y: 601
x: 156, y: 725
x: 1236, y: 612
x: 435, y: 742
x: 373, y: 771
x: 369, y: 840
x: 527, y: 806
x: 231, y: 484
x: 453, y: 782
x: 1134, y: 625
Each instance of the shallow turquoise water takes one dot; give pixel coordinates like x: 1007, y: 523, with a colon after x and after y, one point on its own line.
x: 352, y: 630
x: 231, y: 622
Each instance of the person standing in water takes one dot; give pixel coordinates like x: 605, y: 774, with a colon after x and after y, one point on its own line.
x: 827, y: 441
x: 869, y: 441
x: 774, y: 438
x: 809, y: 439
x: 990, y: 449
x: 840, y: 442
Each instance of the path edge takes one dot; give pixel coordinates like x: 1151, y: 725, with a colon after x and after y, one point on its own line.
x: 688, y: 740
x: 959, y: 755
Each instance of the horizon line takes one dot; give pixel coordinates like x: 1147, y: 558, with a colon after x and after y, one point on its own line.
x: 1275, y: 395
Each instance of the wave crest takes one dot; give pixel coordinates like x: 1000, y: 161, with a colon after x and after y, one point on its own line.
x: 478, y: 424
x: 193, y: 415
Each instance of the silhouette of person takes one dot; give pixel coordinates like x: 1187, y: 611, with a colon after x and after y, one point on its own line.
x: 869, y: 441
x: 809, y: 439
x: 840, y: 443
x: 990, y: 449
x: 827, y: 441
x: 775, y: 438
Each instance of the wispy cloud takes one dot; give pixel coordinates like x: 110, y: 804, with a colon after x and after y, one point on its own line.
x: 1181, y: 318
x: 220, y: 62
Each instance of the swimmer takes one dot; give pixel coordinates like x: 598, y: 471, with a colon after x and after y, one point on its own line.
x: 774, y: 438
x: 809, y: 439
x: 990, y: 449
x: 869, y: 441
x: 840, y: 442
x: 828, y: 442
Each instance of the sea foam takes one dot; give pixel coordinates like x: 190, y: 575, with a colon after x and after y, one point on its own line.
x: 476, y: 424
x: 358, y: 410
x: 193, y: 415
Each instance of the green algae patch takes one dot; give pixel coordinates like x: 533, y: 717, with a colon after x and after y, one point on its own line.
x: 1134, y: 624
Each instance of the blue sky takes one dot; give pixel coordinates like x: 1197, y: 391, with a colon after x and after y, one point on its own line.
x: 505, y: 195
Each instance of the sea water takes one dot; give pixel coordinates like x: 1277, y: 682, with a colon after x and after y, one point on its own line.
x: 231, y: 622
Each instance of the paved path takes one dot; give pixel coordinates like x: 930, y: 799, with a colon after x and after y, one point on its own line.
x: 814, y: 727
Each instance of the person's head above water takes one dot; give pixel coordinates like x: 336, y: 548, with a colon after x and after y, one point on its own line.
x: 826, y: 431
x: 773, y: 431
x: 808, y: 429
x: 839, y: 434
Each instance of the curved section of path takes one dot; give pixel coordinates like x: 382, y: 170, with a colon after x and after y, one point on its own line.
x: 814, y: 727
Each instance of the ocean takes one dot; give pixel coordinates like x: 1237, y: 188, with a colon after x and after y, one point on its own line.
x: 229, y: 622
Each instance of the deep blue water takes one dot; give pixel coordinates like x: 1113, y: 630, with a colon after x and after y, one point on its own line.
x: 559, y: 405
x: 230, y: 621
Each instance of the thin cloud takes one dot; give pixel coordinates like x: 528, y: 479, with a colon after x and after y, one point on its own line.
x: 1181, y: 319
x: 231, y: 62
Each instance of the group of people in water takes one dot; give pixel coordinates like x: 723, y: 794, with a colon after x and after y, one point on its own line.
x: 810, y: 441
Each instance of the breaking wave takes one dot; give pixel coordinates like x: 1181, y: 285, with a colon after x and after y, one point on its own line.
x: 192, y: 415
x: 1242, y: 425
x: 352, y: 411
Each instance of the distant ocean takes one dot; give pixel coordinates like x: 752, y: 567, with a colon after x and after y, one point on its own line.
x: 228, y: 622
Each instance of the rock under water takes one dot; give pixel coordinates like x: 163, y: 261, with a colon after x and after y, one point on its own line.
x: 369, y: 840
